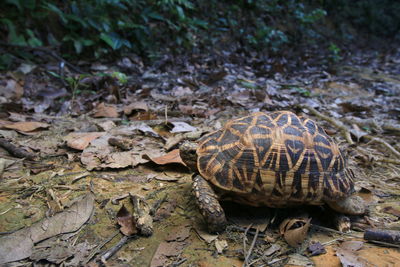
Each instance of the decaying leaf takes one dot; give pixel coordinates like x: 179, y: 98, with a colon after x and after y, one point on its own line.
x: 80, y: 141
x: 316, y: 249
x: 103, y: 111
x: 125, y: 220
x: 27, y: 126
x: 204, y: 235
x: 170, y: 157
x: 272, y: 249
x: 166, y: 250
x: 18, y: 245
x: 294, y: 230
x: 180, y: 233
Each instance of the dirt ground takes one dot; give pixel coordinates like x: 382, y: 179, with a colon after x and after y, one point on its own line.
x: 67, y: 202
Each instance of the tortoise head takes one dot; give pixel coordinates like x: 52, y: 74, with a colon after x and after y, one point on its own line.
x: 187, y: 151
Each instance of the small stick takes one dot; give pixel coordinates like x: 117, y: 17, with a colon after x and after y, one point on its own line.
x: 245, y: 237
x: 246, y: 260
x: 16, y: 151
x: 336, y: 123
x: 97, y: 249
x: 106, y: 255
x: 157, y: 205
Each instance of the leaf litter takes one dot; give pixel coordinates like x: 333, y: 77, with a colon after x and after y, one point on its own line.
x: 132, y: 156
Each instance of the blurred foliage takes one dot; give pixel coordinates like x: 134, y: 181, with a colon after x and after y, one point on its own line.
x: 96, y: 28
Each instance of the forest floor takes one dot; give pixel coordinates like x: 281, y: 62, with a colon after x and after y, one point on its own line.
x: 79, y: 149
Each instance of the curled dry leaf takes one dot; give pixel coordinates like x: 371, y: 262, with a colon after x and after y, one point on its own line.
x: 27, y: 126
x: 103, y: 111
x: 294, y: 230
x: 135, y: 106
x: 125, y: 220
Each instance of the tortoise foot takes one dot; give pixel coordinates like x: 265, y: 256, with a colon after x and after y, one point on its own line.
x: 209, y: 205
x: 352, y: 205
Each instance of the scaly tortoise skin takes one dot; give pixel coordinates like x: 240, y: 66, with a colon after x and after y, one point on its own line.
x: 272, y: 159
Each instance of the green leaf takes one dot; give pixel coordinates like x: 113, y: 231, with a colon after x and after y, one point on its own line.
x: 181, y: 13
x: 57, y: 11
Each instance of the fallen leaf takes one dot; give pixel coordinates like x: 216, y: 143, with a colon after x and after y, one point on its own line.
x: 166, y: 250
x: 135, y: 106
x: 170, y: 157
x: 106, y: 125
x: 221, y: 245
x: 165, y: 210
x: 103, y: 111
x: 182, y: 127
x: 18, y: 245
x: 80, y: 141
x: 299, y: 260
x: 125, y: 220
x: 352, y: 245
x: 179, y: 233
x: 204, y: 235
x: 316, y: 249
x: 294, y: 230
x: 27, y: 126
x: 272, y: 249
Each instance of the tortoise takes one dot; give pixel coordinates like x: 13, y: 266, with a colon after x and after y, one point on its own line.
x: 274, y: 159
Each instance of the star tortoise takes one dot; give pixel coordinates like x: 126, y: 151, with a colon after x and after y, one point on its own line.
x: 274, y: 159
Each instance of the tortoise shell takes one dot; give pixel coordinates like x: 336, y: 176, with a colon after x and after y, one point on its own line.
x: 275, y: 159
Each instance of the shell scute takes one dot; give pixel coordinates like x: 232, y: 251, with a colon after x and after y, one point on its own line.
x: 274, y: 159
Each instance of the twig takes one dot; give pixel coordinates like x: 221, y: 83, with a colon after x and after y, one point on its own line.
x: 16, y: 151
x: 355, y: 236
x: 383, y: 142
x: 245, y: 238
x: 97, y: 249
x: 246, y: 259
x: 336, y: 123
x: 106, y: 255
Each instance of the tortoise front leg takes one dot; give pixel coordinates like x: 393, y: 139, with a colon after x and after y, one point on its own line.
x: 209, y: 205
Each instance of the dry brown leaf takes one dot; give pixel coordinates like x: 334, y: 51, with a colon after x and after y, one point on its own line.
x: 103, y: 111
x: 27, y: 126
x: 170, y: 157
x: 294, y: 230
x: 125, y: 220
x: 80, y: 141
x: 135, y: 106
